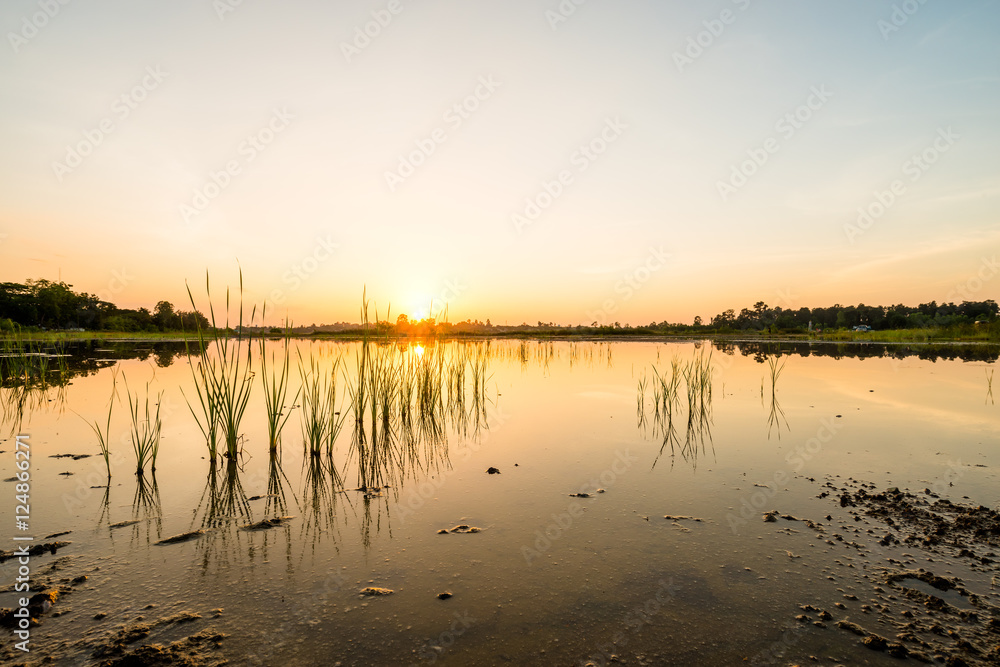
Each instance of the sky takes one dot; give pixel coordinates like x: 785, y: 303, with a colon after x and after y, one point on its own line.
x: 571, y: 161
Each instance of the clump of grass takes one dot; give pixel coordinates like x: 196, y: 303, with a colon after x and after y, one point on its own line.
x: 774, y: 368
x: 146, y: 429
x: 223, y: 380
x: 103, y: 436
x: 275, y: 383
x: 322, y: 418
x: 776, y: 415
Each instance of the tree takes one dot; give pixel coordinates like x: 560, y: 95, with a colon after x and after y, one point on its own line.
x: 697, y: 320
x: 165, y: 317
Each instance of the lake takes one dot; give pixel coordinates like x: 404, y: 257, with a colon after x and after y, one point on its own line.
x: 629, y: 520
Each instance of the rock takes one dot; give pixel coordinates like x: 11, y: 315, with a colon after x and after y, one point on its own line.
x: 493, y: 471
x: 461, y: 528
x: 579, y: 495
x: 182, y: 617
x: 444, y: 596
x: 771, y: 516
x: 897, y: 650
x: 852, y: 627
x: 35, y: 550
x: 40, y: 603
x: 372, y: 591
x: 268, y: 523
x: 875, y: 642
x: 183, y: 537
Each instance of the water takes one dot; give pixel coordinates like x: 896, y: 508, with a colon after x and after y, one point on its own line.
x: 550, y: 578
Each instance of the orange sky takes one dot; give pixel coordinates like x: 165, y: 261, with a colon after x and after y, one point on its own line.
x: 630, y: 163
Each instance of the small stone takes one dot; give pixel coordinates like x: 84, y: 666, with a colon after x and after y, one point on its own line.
x: 444, y: 596
x: 875, y: 643
x: 493, y: 471
x: 371, y: 591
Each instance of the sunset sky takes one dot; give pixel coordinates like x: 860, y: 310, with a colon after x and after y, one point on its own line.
x: 521, y: 160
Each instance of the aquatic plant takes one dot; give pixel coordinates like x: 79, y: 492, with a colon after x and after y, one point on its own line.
x: 774, y: 369
x: 103, y: 436
x: 223, y: 380
x: 275, y: 384
x: 146, y: 428
x: 322, y: 417
x: 776, y: 415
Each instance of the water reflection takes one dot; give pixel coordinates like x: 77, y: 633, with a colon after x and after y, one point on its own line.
x: 696, y: 375
x: 223, y: 500
x: 776, y: 415
x: 146, y: 512
x: 322, y: 489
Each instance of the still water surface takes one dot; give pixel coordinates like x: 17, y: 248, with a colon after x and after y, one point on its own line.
x: 549, y: 578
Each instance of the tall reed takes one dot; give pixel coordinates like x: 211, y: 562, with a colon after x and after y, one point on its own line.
x: 322, y: 417
x: 146, y: 428
x: 103, y: 436
x: 223, y: 381
x: 275, y: 384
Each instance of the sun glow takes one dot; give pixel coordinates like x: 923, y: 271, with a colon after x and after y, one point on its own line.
x: 419, y: 351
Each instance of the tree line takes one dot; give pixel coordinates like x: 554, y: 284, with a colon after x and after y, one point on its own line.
x: 43, y: 304
x: 926, y: 315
